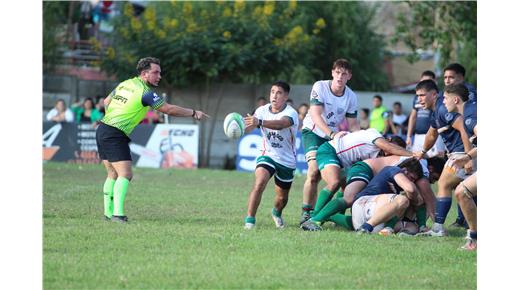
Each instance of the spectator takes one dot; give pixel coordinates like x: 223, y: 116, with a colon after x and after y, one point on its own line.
x: 100, y: 104
x: 379, y: 115
x: 364, y: 121
x: 87, y: 113
x: 60, y: 113
x: 399, y: 121
x: 152, y: 117
x: 302, y: 112
x: 260, y: 101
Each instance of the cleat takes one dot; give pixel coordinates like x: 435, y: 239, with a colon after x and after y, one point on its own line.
x: 470, y: 245
x: 405, y: 233
x: 387, y: 231
x: 249, y: 226
x: 107, y: 218
x: 120, y: 218
x: 436, y: 231
x: 310, y: 226
x: 363, y: 231
x: 305, y: 217
x: 278, y: 221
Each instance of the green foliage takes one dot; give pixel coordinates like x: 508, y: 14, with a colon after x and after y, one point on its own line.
x: 449, y: 27
x: 249, y: 41
x: 185, y: 231
x: 236, y: 41
x: 54, y: 26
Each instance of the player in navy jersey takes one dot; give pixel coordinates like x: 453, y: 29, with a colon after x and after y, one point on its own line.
x: 457, y: 100
x: 450, y: 127
x: 381, y: 199
x: 454, y: 74
x: 419, y: 123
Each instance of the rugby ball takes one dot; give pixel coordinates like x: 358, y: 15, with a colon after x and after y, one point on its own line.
x: 234, y: 126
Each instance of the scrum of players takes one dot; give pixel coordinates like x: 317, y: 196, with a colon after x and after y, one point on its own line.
x: 386, y: 186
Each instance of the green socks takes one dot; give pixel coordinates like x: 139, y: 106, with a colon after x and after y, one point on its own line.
x: 342, y: 220
x: 108, y: 195
x: 421, y: 216
x: 323, y: 198
x: 336, y: 205
x: 120, y: 188
x: 276, y: 213
x: 250, y: 220
x: 391, y: 223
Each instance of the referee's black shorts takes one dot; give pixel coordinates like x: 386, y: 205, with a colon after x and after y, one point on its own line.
x: 112, y: 144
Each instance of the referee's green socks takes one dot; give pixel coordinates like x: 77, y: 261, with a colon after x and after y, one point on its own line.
x: 108, y: 195
x: 120, y: 188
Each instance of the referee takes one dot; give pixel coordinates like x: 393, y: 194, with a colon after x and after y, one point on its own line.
x: 126, y: 106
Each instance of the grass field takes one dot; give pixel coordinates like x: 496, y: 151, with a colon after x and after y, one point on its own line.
x: 186, y: 231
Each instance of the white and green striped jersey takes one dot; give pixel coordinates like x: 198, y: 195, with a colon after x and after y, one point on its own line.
x: 334, y: 108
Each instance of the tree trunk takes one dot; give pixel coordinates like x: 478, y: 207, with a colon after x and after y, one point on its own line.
x: 213, y: 123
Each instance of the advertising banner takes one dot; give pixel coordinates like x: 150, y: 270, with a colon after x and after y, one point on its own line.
x: 249, y: 148
x: 157, y: 146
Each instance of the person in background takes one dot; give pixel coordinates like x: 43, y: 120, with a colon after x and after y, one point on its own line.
x: 260, y: 101
x: 87, y: 112
x: 152, y: 117
x: 364, y: 121
x: 379, y: 115
x: 100, y: 104
x: 302, y: 111
x: 60, y: 112
x: 399, y: 120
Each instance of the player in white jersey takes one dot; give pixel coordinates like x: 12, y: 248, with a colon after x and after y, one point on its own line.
x: 331, y: 101
x: 345, y: 150
x: 279, y: 124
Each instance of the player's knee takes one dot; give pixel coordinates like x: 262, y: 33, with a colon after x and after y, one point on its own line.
x: 460, y: 193
x: 333, y: 185
x: 313, y: 176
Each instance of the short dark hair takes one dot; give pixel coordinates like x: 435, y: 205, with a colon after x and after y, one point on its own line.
x: 428, y: 73
x: 437, y: 163
x: 457, y: 68
x: 459, y: 90
x: 397, y: 141
x: 146, y: 63
x: 414, y: 166
x: 428, y: 85
x: 366, y: 110
x: 342, y: 63
x: 378, y: 97
x: 398, y: 103
x: 285, y: 86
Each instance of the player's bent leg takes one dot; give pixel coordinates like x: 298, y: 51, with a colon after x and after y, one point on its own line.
x: 351, y: 190
x: 447, y: 182
x: 310, y: 186
x: 280, y: 201
x: 332, y: 175
x: 465, y: 193
x: 262, y: 176
x: 386, y: 207
x: 124, y: 173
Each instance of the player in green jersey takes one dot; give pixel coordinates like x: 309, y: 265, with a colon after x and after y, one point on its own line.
x: 126, y: 107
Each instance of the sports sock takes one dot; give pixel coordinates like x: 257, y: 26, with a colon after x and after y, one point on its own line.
x: 108, y: 195
x: 342, y: 220
x: 391, y: 223
x: 120, y: 188
x: 250, y: 220
x: 334, y: 206
x: 367, y: 227
x: 323, y: 198
x: 306, y: 207
x: 339, y: 194
x: 442, y: 208
x: 421, y: 216
x: 276, y: 213
x: 473, y: 235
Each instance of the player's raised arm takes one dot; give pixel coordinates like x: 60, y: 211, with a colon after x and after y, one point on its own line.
x: 390, y: 148
x: 178, y: 111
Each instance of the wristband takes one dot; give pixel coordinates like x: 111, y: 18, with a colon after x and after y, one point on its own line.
x: 331, y: 135
x: 193, y: 115
x: 260, y: 122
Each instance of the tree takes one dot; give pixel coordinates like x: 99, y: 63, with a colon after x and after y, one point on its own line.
x: 447, y: 27
x: 209, y: 42
x: 54, y: 27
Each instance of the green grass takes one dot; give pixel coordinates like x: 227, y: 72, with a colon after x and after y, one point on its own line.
x: 185, y: 231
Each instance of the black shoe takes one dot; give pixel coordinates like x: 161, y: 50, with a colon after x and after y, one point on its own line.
x: 120, y: 218
x: 107, y: 218
x: 305, y: 216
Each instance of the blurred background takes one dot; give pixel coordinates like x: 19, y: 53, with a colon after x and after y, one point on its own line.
x: 222, y: 56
